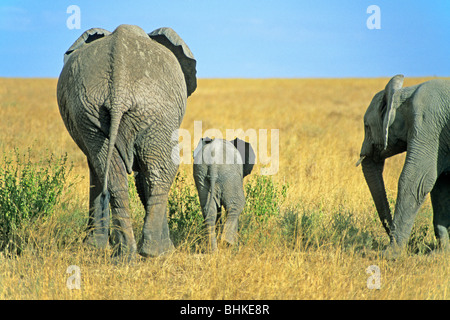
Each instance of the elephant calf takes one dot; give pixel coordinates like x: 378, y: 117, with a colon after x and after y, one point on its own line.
x: 219, y: 169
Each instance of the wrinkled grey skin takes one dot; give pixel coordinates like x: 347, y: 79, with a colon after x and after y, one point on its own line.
x: 121, y: 95
x: 219, y: 169
x: 416, y: 120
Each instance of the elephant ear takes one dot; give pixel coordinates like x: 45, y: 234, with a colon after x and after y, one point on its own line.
x: 172, y: 41
x: 87, y: 37
x: 391, y: 98
x: 200, y: 145
x: 247, y: 155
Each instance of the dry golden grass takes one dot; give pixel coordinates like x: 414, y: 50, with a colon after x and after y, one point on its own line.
x: 321, y: 131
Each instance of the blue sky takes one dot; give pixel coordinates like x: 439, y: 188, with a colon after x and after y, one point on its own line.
x: 245, y: 38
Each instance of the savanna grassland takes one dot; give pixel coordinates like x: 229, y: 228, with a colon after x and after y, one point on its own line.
x: 317, y: 244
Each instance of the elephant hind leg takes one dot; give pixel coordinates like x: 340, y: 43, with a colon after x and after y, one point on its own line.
x: 440, y: 199
x: 153, y: 182
x: 234, y: 208
x: 122, y: 237
x: 155, y: 238
x: 98, y: 225
x: 210, y: 211
x: 122, y: 232
x: 210, y: 217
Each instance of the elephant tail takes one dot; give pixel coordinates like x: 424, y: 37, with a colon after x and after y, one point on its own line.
x: 212, y: 187
x: 116, y: 116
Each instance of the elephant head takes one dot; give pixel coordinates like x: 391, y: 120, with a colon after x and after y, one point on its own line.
x: 385, y: 136
x: 165, y: 36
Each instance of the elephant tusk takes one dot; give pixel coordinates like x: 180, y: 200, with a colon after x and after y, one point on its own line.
x: 360, y: 160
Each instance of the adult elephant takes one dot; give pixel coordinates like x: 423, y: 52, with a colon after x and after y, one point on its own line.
x: 416, y: 120
x: 121, y: 95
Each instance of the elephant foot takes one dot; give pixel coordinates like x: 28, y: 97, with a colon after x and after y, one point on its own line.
x: 393, y: 252
x: 123, y: 257
x: 439, y: 253
x: 441, y: 250
x: 211, y: 245
x: 229, y: 239
x: 167, y: 246
x: 149, y: 248
x: 124, y: 252
x: 98, y: 241
x: 444, y: 244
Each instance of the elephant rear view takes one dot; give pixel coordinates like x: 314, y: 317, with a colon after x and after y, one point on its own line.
x: 219, y: 169
x: 121, y: 95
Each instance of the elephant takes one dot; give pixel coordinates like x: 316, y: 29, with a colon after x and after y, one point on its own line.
x: 219, y: 169
x: 121, y: 95
x: 414, y: 119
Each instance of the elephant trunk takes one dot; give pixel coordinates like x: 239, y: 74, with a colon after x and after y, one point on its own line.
x: 373, y: 173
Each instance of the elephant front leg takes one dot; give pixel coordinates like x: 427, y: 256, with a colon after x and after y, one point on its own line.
x: 414, y: 185
x: 98, y: 225
x: 440, y: 199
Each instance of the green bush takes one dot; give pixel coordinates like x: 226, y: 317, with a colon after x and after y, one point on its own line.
x: 263, y: 201
x: 28, y: 191
x: 184, y: 212
x: 263, y: 198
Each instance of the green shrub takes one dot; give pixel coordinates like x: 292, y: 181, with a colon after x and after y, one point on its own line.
x: 28, y: 191
x: 263, y: 198
x: 263, y: 201
x: 184, y: 212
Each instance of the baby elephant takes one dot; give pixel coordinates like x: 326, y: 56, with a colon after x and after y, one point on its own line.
x: 219, y: 169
